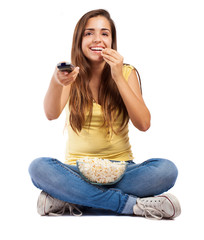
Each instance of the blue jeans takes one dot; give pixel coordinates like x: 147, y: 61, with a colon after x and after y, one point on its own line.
x: 63, y: 182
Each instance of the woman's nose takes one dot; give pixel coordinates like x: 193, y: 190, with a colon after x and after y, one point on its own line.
x: 96, y: 38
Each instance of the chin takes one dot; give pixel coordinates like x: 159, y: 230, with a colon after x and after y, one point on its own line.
x: 96, y: 60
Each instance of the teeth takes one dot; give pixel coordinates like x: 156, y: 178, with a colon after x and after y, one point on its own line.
x: 97, y: 49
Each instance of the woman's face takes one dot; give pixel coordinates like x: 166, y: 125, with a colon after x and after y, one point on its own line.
x: 97, y: 36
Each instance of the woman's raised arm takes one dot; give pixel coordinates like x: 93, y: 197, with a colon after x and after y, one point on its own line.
x: 58, y: 92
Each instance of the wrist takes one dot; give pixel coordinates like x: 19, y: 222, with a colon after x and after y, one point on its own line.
x: 55, y: 83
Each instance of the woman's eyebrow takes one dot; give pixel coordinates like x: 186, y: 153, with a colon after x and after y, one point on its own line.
x: 93, y: 29
x: 106, y: 29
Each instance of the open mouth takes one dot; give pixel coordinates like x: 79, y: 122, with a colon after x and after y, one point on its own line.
x: 96, y: 49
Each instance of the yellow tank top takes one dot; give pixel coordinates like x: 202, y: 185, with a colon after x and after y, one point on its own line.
x: 93, y: 140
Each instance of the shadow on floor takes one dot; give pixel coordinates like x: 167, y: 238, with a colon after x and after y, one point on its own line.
x: 88, y: 211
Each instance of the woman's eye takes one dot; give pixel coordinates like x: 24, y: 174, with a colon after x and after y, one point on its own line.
x: 91, y: 33
x: 87, y: 34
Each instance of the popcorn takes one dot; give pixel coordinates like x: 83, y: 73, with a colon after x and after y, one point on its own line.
x: 101, y: 171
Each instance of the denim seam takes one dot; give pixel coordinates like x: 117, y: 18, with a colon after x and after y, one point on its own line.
x: 124, y: 203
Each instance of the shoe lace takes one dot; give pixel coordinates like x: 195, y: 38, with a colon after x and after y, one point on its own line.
x: 150, y: 212
x: 72, y: 208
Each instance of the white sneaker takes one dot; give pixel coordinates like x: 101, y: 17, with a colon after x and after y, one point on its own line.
x: 162, y: 206
x: 48, y: 205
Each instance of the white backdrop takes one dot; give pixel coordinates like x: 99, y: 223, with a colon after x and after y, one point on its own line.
x: 164, y: 41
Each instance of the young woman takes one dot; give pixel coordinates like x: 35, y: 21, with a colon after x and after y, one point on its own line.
x: 100, y: 96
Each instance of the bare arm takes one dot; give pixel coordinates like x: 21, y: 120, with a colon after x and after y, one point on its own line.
x: 131, y: 94
x: 129, y: 91
x: 58, y: 93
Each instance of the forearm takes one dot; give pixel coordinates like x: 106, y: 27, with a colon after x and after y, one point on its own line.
x: 137, y: 110
x: 52, y: 101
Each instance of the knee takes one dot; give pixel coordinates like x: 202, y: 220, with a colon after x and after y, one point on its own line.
x: 168, y: 172
x: 36, y: 167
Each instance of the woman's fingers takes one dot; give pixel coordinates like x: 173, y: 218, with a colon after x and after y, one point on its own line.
x: 111, y: 56
x: 71, y: 79
x: 115, y: 60
x: 110, y: 52
x: 108, y: 58
x: 65, y: 78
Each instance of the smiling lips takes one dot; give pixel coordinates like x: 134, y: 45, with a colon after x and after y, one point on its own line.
x: 97, y: 49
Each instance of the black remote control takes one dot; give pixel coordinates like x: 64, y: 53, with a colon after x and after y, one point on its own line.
x: 65, y: 66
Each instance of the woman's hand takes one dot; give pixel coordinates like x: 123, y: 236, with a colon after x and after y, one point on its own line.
x: 115, y: 60
x: 65, y: 78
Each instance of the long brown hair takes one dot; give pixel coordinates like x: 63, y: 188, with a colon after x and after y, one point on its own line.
x: 81, y: 99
